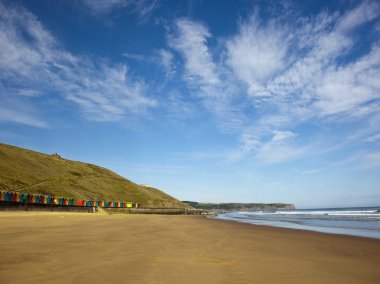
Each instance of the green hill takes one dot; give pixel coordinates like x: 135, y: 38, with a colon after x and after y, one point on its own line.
x: 32, y: 172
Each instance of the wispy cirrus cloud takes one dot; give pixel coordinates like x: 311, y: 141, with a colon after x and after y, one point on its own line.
x: 166, y: 59
x: 205, y: 78
x: 20, y: 112
x: 279, y: 150
x: 320, y: 78
x: 190, y: 39
x: 142, y: 8
x: 284, y: 74
x: 32, y: 59
x: 257, y: 52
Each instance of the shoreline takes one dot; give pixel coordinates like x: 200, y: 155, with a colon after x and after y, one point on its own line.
x: 294, y: 229
x: 353, y: 221
x: 77, y: 248
x: 360, y: 233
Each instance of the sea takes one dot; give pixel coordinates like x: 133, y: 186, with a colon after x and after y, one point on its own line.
x: 356, y: 221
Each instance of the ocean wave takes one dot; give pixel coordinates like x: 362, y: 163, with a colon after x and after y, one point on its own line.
x: 363, y: 213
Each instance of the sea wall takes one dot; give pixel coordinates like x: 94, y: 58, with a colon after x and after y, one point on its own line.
x: 162, y: 211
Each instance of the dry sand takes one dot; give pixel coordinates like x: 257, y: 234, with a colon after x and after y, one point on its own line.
x: 92, y: 248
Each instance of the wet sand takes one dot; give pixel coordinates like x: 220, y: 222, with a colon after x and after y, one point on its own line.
x: 92, y: 248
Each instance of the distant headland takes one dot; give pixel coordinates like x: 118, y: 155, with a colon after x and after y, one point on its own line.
x: 240, y: 206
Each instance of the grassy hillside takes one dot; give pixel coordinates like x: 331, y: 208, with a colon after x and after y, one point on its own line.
x: 32, y: 172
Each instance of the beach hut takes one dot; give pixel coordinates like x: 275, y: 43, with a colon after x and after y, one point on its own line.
x: 1, y: 196
x: 129, y: 205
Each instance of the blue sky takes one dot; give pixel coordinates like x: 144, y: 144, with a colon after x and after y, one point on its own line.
x: 222, y: 101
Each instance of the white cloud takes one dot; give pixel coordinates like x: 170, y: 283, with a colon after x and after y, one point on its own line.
x: 105, y: 6
x: 361, y: 160
x: 279, y: 148
x: 145, y: 8
x: 257, y: 52
x: 166, y: 60
x: 135, y: 56
x: 305, y: 70
x: 202, y: 75
x: 142, y: 8
x: 365, y: 12
x: 373, y: 138
x: 274, y: 153
x: 293, y: 74
x: 190, y: 39
x: 311, y: 171
x: 18, y: 111
x: 282, y: 135
x: 31, y: 59
x: 348, y: 88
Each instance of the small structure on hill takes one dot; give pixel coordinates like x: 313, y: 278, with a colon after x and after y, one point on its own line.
x: 56, y: 155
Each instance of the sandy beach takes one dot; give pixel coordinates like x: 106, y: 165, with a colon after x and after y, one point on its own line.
x: 95, y: 248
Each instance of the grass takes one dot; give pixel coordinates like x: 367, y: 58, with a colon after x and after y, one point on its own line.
x: 32, y: 172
